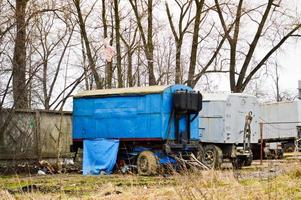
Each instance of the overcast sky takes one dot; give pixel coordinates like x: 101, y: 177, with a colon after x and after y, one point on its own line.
x: 290, y: 61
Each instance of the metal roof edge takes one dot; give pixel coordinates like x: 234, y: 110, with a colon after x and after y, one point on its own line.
x: 122, y: 91
x: 223, y: 96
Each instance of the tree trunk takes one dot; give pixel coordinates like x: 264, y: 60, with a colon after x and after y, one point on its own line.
x: 195, y: 42
x: 108, y: 70
x: 147, y: 41
x: 44, y: 83
x: 138, y: 67
x: 253, y: 45
x: 19, y: 58
x: 130, y: 65
x: 92, y: 64
x: 118, y: 51
x: 278, y: 98
x: 86, y: 67
x: 178, y: 62
x: 150, y: 46
x: 232, y: 68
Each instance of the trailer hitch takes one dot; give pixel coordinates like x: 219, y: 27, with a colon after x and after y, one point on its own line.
x: 247, y: 132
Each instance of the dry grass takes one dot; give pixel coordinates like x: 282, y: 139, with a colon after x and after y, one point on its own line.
x: 275, y: 181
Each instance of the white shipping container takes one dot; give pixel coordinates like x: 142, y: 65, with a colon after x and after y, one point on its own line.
x: 283, y: 116
x: 222, y: 119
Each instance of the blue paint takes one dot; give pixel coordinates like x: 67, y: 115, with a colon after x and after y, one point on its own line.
x: 164, y: 159
x: 128, y: 116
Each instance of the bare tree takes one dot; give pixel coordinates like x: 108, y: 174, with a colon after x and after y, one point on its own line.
x: 19, y: 59
x: 199, y: 4
x: 165, y: 60
x: 92, y: 63
x: 109, y: 66
x: 241, y: 76
x: 276, y: 81
x: 6, y: 21
x: 147, y: 38
x: 48, y: 46
x: 129, y: 38
x: 185, y: 12
x: 275, y: 74
x: 118, y: 47
x: 147, y: 54
x: 195, y: 13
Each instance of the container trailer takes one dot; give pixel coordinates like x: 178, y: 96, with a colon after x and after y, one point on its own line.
x: 281, y: 124
x: 228, y: 126
x: 140, y: 126
x: 280, y: 127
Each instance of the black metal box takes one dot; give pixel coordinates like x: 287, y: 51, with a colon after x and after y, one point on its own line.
x: 187, y: 101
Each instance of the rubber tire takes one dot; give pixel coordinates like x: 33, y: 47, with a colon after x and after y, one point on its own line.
x: 150, y: 167
x: 237, y: 163
x: 217, y: 154
x: 249, y: 160
x: 289, y: 148
x: 280, y: 154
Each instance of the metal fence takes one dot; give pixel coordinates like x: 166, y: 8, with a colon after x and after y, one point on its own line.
x: 27, y: 134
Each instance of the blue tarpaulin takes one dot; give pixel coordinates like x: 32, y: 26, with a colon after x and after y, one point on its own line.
x: 165, y: 159
x: 99, y: 155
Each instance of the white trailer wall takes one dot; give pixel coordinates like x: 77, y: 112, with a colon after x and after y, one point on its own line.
x: 222, y: 118
x: 283, y: 116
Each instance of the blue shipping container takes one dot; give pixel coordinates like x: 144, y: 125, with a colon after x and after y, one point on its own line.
x: 128, y: 114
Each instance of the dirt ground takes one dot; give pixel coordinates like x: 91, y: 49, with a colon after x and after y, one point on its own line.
x: 274, y: 179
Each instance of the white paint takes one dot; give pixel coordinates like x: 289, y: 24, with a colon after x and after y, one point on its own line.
x: 222, y: 118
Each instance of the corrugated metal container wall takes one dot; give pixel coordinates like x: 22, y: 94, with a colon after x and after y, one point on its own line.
x: 129, y: 115
x: 223, y: 117
x: 284, y: 112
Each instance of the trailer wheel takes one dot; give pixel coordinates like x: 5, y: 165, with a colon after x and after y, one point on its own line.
x: 280, y: 154
x: 249, y: 160
x: 199, y: 153
x: 212, y: 157
x: 289, y: 147
x: 238, y: 162
x: 147, y: 163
